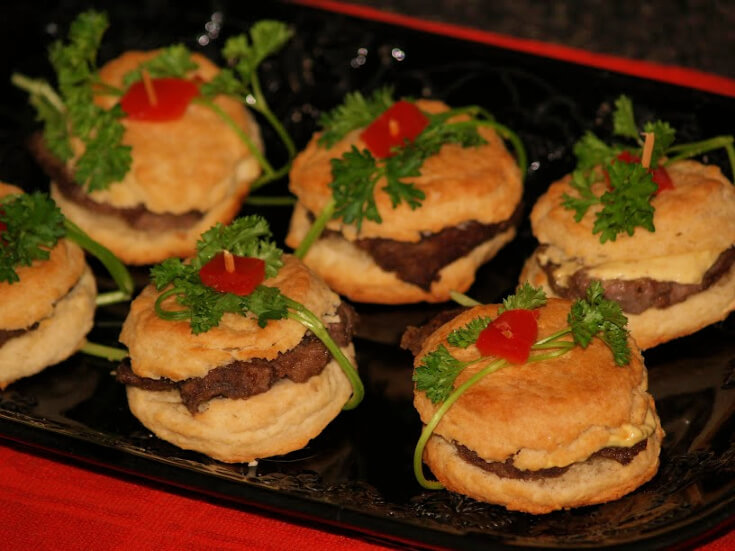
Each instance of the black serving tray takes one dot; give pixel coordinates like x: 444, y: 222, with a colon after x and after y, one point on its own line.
x: 357, y: 474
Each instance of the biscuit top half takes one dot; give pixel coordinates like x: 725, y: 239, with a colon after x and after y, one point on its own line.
x: 161, y: 348
x: 41, y: 284
x: 546, y: 413
x: 698, y: 214
x: 190, y: 163
x: 480, y: 183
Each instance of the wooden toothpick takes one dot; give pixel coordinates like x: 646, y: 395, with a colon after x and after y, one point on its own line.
x: 229, y: 262
x: 647, y: 149
x: 150, y: 91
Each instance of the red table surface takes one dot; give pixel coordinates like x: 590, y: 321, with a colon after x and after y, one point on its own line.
x: 46, y: 504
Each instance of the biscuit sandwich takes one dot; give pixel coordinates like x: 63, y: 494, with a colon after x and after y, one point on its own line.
x: 660, y: 238
x: 402, y: 201
x: 536, y: 404
x: 239, y: 352
x: 48, y: 293
x: 153, y: 148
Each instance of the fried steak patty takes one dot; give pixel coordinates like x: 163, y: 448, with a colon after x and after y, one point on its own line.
x: 507, y: 470
x: 240, y: 379
x: 138, y: 217
x: 413, y: 337
x: 7, y: 334
x: 640, y: 294
x: 419, y: 263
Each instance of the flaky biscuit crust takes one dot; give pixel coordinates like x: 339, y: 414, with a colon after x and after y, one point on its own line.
x: 57, y: 336
x: 278, y: 421
x: 476, y: 183
x: 555, y: 412
x: 352, y: 272
x: 655, y: 326
x: 192, y: 163
x: 588, y: 483
x: 698, y: 214
x: 160, y: 348
x: 41, y: 284
x: 133, y: 246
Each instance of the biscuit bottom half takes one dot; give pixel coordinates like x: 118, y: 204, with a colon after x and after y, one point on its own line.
x: 135, y: 246
x: 55, y: 338
x: 655, y: 326
x: 350, y: 271
x: 275, y: 422
x: 596, y: 480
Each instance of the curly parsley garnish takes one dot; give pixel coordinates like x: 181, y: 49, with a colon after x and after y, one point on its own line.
x: 203, y: 307
x: 357, y: 172
x: 593, y: 316
x: 33, y: 225
x: 71, y: 112
x: 626, y: 204
x: 356, y: 111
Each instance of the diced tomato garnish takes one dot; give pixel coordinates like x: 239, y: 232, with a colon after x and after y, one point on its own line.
x: 662, y: 179
x: 3, y: 227
x: 628, y: 157
x: 248, y: 274
x: 510, y: 336
x: 401, y: 122
x: 173, y: 96
x: 659, y: 175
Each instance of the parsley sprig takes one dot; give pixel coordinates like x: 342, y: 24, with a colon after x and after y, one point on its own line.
x: 356, y: 174
x: 203, y: 307
x: 34, y: 224
x: 626, y: 205
x: 71, y: 112
x: 593, y: 316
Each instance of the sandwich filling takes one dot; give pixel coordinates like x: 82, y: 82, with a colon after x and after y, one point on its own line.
x: 242, y: 379
x: 505, y: 469
x: 569, y: 278
x: 139, y: 217
x: 623, y: 445
x: 9, y: 334
x: 419, y: 263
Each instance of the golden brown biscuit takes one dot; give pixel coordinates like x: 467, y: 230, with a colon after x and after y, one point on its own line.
x: 351, y: 271
x: 482, y: 184
x: 194, y: 163
x: 695, y: 228
x: 57, y: 294
x: 238, y: 431
x: 161, y: 348
x: 548, y: 414
x: 282, y: 418
x: 57, y: 336
x: 685, y: 219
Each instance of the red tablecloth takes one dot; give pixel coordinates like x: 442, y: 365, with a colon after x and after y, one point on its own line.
x: 45, y: 504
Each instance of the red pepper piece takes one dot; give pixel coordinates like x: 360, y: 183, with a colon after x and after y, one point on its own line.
x: 173, y: 96
x: 248, y: 274
x: 662, y: 179
x: 510, y: 336
x: 628, y: 157
x: 659, y: 175
x: 401, y: 122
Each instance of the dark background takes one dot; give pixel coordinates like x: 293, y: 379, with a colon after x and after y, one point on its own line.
x: 698, y: 34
